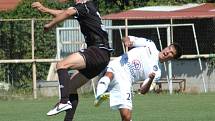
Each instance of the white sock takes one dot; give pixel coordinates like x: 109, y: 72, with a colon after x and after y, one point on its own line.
x: 102, y: 85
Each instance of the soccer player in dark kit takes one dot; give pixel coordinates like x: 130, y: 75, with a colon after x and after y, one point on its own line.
x: 89, y: 62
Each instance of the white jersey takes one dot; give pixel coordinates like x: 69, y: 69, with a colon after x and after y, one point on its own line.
x: 135, y: 65
x: 140, y: 61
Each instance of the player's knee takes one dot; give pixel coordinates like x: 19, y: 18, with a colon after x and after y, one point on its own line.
x: 59, y: 65
x: 62, y: 65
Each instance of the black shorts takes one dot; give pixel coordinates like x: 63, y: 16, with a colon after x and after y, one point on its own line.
x: 96, y: 61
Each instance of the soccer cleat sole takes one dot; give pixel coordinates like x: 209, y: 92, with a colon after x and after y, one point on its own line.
x: 101, y: 99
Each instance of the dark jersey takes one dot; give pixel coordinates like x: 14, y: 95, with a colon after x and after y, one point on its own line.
x: 91, y: 25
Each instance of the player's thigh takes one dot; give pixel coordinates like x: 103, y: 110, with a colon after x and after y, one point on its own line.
x: 73, y: 61
x: 125, y: 85
x: 120, y: 96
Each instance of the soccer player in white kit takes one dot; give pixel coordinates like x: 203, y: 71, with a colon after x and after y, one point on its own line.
x: 139, y: 63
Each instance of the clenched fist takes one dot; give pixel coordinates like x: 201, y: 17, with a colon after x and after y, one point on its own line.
x: 152, y: 75
x: 38, y: 6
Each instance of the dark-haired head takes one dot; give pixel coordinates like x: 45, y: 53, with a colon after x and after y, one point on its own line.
x: 173, y: 51
x: 178, y: 49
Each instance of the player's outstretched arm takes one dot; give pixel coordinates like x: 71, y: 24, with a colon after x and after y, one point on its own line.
x: 132, y: 41
x: 147, y: 83
x: 43, y: 9
x: 59, y: 18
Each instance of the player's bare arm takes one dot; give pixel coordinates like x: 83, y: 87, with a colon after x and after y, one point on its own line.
x: 43, y: 9
x: 147, y: 83
x: 59, y: 18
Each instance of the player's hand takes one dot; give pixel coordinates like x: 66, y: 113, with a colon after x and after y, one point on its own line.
x: 47, y: 27
x: 38, y: 6
x: 152, y: 75
x: 145, y: 86
x: 127, y: 42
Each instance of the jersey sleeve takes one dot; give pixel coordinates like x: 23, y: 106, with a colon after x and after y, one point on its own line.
x: 139, y: 42
x: 81, y: 9
x: 155, y: 69
x: 157, y: 72
x: 157, y: 76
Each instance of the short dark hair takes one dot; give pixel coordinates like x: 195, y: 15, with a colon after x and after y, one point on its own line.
x: 178, y: 49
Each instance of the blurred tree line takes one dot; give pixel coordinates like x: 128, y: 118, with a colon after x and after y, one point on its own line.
x: 109, y: 6
x: 15, y: 37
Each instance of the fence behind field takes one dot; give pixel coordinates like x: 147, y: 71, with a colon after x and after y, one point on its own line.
x: 28, y: 55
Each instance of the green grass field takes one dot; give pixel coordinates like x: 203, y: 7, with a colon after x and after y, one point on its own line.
x: 151, y: 107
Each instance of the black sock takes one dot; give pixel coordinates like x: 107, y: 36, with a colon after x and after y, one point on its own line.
x: 64, y: 82
x: 71, y: 112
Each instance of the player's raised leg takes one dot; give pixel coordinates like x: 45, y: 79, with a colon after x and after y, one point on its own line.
x: 102, y: 87
x: 73, y: 61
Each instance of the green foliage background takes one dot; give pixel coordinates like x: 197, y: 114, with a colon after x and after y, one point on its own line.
x: 15, y: 43
x: 15, y: 37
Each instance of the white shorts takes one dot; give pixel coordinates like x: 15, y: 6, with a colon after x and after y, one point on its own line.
x: 119, y: 88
